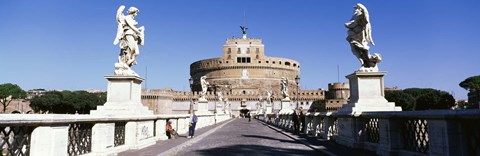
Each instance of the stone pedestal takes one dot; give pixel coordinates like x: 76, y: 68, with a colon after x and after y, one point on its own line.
x: 219, y: 109
x: 268, y: 110
x: 286, y: 107
x: 123, y: 97
x: 203, y: 108
x: 367, y: 94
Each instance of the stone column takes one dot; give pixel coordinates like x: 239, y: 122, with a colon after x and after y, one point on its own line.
x: 161, y: 129
x: 390, y: 136
x: 446, y: 137
x: 49, y: 140
x: 103, y: 136
x: 139, y: 134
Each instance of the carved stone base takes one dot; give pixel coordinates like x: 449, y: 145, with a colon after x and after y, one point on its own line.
x: 203, y: 108
x: 286, y: 107
x: 123, y: 97
x: 367, y: 94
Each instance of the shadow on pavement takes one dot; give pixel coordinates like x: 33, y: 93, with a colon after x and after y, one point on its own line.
x: 235, y: 150
x: 270, y: 138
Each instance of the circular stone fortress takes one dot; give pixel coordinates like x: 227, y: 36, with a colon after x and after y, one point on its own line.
x: 245, y: 68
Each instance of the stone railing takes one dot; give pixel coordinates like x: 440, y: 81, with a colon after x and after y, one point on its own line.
x: 55, y: 134
x: 434, y: 132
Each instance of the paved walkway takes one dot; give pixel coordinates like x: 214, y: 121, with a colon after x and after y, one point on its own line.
x: 240, y: 137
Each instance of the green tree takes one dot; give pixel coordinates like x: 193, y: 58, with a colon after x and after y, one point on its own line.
x: 471, y: 83
x: 8, y: 92
x: 47, y: 102
x: 67, y: 102
x: 416, y: 92
x: 435, y: 99
x: 404, y: 100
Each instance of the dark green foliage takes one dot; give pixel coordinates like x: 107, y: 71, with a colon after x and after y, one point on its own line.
x: 420, y: 99
x: 67, y: 102
x: 428, y: 98
x: 404, y: 100
x: 471, y: 83
x: 12, y: 90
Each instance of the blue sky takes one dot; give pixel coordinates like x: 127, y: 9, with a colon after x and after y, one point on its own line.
x: 68, y: 44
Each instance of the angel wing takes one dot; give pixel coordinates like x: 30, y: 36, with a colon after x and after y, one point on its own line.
x: 368, y: 26
x: 120, y: 22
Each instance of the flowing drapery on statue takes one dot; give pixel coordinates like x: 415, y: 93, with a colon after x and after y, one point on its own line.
x: 359, y: 35
x: 204, y: 83
x: 284, y: 87
x: 129, y: 37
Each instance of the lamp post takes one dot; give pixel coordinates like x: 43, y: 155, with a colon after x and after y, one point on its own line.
x: 297, y: 80
x: 190, y: 80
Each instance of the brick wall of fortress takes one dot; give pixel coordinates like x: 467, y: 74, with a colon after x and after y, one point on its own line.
x: 168, y: 101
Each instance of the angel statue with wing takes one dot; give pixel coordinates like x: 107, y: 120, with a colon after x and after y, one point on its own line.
x: 129, y: 37
x: 359, y: 35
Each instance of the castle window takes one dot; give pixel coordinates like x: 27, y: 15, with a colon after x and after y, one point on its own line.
x: 243, y: 60
x: 266, y: 61
x: 248, y: 50
x: 250, y: 42
x: 220, y: 62
x: 229, y: 50
x: 287, y: 63
x: 294, y: 64
x: 279, y: 62
x: 244, y: 92
x: 273, y: 62
x: 235, y: 42
x: 259, y: 61
x: 257, y: 57
x: 226, y: 61
x: 229, y: 57
x: 238, y: 51
x: 258, y: 51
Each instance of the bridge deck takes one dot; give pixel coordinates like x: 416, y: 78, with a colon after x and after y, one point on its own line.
x: 240, y: 137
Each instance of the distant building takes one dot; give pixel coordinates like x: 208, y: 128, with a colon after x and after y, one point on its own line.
x: 393, y: 88
x: 337, y: 95
x: 20, y: 106
x: 243, y: 75
x: 35, y: 92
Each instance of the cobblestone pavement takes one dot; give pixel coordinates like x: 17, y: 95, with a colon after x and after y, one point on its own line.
x: 240, y: 137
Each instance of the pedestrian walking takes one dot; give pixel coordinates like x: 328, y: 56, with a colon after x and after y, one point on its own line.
x: 191, y: 126
x: 296, y: 121
x: 302, y: 120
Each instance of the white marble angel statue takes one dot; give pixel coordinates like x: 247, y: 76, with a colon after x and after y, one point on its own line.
x: 204, y: 83
x: 284, y: 88
x: 359, y: 35
x: 269, y: 97
x: 129, y: 37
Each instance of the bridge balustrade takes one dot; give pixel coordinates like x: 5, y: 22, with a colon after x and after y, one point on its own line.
x: 431, y: 132
x: 56, y: 134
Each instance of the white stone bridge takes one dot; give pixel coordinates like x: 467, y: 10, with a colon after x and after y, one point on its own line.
x: 441, y: 132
